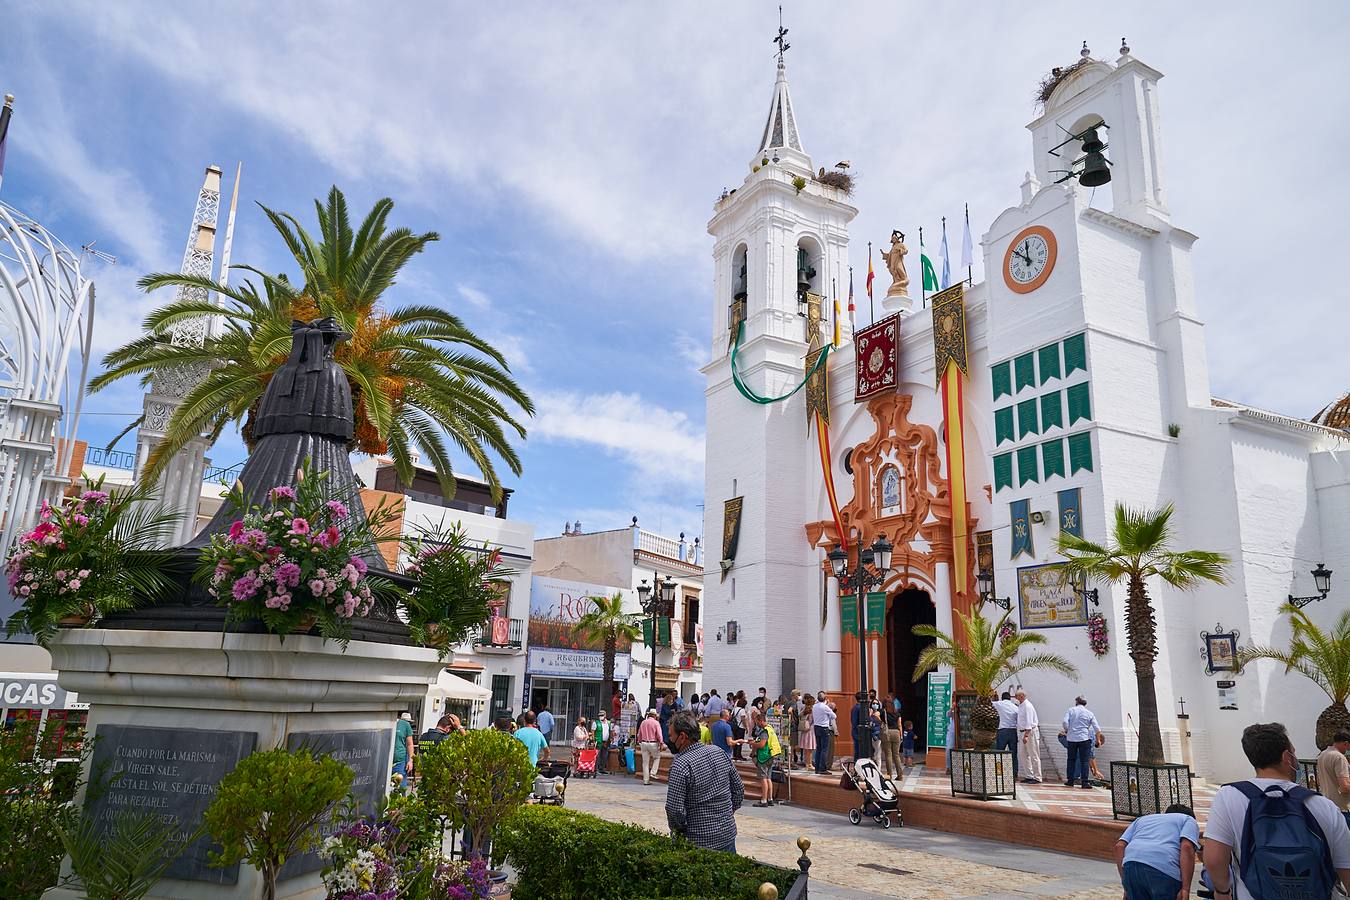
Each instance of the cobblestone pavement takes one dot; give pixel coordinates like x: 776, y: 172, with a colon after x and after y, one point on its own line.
x: 866, y: 861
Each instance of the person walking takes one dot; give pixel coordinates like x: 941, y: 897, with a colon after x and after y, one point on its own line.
x: 403, y: 747
x: 1333, y: 772
x: 704, y: 790
x: 892, y: 737
x: 650, y: 745
x: 602, y: 735
x: 740, y: 718
x: 1155, y: 857
x: 1007, y: 726
x: 581, y: 739
x: 544, y: 721
x: 1256, y: 846
x: 762, y: 754
x: 823, y: 723
x: 806, y: 731
x: 533, y: 739
x: 1080, y: 730
x: 1029, y: 727
x: 907, y: 742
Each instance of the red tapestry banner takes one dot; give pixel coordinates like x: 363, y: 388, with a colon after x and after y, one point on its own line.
x: 877, y: 358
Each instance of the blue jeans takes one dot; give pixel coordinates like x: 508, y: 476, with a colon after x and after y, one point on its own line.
x: 1143, y: 882
x: 1007, y: 740
x: 731, y: 848
x: 1078, y: 763
x: 822, y: 755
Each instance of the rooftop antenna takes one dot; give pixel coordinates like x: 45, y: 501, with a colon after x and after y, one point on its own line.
x: 780, y: 40
x: 99, y: 254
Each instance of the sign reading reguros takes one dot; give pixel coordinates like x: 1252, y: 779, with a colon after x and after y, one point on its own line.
x: 575, y: 663
x: 1048, y: 598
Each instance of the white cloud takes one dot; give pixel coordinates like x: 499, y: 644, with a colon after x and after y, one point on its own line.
x: 661, y: 444
x: 475, y: 298
x: 692, y: 351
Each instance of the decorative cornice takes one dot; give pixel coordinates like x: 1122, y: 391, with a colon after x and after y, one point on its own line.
x: 1102, y: 217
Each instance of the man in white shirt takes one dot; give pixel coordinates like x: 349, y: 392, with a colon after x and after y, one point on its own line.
x: 822, y: 720
x: 714, y: 706
x: 1272, y: 756
x: 1080, y: 730
x: 1007, y: 726
x: 1029, y: 726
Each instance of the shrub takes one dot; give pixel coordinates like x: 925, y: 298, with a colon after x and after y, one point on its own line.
x: 271, y: 807
x: 563, y: 854
x: 34, y: 811
x: 457, y: 584
x: 125, y: 860
x: 477, y: 779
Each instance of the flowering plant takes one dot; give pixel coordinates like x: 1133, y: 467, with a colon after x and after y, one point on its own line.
x: 457, y: 583
x: 1097, y: 637
x: 1007, y: 632
x: 93, y: 554
x: 462, y: 881
x: 295, y: 560
x: 361, y: 862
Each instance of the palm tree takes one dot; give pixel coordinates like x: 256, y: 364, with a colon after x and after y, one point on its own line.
x: 1323, y: 657
x: 418, y: 376
x: 1140, y: 549
x: 608, y: 623
x: 984, y: 659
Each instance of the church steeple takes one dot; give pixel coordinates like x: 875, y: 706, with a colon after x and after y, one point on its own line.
x: 781, y: 139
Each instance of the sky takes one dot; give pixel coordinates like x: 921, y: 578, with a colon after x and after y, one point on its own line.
x: 569, y: 156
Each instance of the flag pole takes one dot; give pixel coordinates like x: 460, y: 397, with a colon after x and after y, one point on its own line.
x: 871, y: 306
x: 5, y: 112
x: 970, y: 261
x: 923, y: 285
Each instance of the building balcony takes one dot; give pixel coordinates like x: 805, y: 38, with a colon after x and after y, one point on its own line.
x: 503, y: 635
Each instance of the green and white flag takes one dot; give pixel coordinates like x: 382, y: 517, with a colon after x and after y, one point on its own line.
x: 930, y: 279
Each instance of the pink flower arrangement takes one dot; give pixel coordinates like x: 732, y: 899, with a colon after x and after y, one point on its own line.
x: 290, y: 563
x: 1097, y: 636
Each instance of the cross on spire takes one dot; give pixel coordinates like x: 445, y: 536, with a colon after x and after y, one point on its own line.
x: 780, y: 40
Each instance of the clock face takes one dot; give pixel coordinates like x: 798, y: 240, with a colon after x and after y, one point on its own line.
x: 1030, y: 259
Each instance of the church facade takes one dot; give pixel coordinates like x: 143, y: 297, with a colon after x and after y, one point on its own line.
x: 1085, y: 385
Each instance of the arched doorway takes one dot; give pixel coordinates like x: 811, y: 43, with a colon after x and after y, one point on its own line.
x: 911, y: 607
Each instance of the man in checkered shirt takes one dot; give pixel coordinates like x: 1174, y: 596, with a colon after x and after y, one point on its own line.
x: 704, y: 789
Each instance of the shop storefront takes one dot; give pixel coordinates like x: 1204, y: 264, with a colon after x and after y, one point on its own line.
x: 570, y: 682
x: 29, y: 696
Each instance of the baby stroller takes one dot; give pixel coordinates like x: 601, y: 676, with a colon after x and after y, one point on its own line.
x: 880, y: 796
x: 550, y: 785
x: 586, y: 762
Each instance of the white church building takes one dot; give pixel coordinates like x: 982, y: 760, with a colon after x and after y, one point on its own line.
x: 1086, y: 385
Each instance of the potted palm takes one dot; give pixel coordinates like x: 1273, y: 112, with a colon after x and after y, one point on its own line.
x: 991, y: 653
x: 94, y: 554
x: 609, y: 625
x: 1140, y: 548
x: 1323, y: 657
x: 457, y: 583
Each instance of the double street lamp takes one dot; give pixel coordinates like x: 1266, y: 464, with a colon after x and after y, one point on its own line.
x: 653, y: 603
x: 874, y: 564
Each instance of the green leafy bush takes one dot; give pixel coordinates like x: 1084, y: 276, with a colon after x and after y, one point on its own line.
x: 562, y: 854
x: 477, y: 779
x: 34, y: 810
x: 271, y: 807
x: 124, y: 861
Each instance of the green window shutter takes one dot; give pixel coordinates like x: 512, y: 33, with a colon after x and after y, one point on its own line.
x: 1075, y: 354
x: 1002, y: 379
x: 1003, y: 471
x: 1026, y: 418
x: 1080, y: 452
x: 1027, y: 469
x: 1052, y: 411
x: 1024, y: 371
x: 1080, y: 405
x: 1052, y: 457
x: 1003, y: 425
x: 1048, y: 362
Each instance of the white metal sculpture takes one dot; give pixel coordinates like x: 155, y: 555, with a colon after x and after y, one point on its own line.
x: 180, y: 484
x: 46, y: 313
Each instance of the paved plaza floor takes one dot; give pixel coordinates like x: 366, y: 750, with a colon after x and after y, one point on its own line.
x: 865, y: 861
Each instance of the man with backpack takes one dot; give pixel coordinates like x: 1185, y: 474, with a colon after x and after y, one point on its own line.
x: 1268, y: 837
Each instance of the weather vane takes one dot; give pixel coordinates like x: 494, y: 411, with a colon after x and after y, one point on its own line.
x: 783, y: 45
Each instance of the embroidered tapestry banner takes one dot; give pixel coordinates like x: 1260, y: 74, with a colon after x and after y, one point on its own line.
x: 877, y: 358
x: 731, y: 533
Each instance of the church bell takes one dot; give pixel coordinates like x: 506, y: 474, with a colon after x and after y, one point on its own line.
x: 1096, y: 170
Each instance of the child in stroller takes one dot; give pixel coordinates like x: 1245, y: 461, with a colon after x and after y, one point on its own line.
x: 880, y: 797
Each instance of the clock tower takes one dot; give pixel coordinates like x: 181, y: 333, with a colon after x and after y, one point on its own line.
x: 780, y: 241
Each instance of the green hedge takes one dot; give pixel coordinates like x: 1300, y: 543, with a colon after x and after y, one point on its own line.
x: 562, y: 854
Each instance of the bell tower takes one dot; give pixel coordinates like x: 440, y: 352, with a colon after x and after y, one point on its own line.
x: 780, y: 243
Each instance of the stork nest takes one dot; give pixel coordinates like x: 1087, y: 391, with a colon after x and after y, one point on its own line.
x: 1053, y: 79
x: 839, y: 180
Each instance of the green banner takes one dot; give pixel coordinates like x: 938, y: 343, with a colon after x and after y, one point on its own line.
x: 939, y: 707
x: 876, y: 612
x: 848, y: 614
x: 662, y: 632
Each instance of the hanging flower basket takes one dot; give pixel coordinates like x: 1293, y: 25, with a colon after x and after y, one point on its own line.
x: 458, y: 584
x: 1098, y: 639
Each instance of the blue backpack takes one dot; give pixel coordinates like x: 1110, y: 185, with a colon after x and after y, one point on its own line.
x: 1284, y: 853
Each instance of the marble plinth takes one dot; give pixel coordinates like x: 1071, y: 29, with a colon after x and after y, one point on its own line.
x: 178, y: 708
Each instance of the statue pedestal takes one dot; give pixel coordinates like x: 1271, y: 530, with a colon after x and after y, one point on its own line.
x: 174, y: 711
x: 897, y: 303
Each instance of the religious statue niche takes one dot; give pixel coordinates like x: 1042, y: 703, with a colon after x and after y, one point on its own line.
x: 890, y: 490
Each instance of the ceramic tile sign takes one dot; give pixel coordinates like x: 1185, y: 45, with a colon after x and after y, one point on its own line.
x: 172, y: 773
x: 368, y: 753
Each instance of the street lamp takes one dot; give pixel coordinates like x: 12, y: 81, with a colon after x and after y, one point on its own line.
x: 985, y: 582
x: 874, y: 563
x: 1321, y: 583
x: 652, y: 604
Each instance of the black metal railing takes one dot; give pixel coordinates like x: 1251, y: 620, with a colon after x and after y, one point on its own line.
x: 112, y: 459
x: 514, y: 637
x: 223, y: 475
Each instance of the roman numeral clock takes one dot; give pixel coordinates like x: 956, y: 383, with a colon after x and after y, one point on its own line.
x: 1030, y: 259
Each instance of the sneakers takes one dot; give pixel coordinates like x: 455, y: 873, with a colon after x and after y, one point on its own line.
x: 1031, y: 781
x: 761, y: 804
